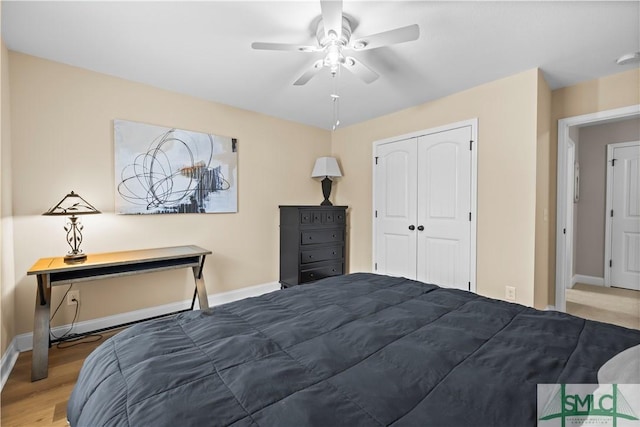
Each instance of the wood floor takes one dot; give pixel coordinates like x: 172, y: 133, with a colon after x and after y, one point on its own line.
x: 44, y: 402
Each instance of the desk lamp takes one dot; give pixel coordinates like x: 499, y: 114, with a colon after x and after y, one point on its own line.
x: 72, y: 204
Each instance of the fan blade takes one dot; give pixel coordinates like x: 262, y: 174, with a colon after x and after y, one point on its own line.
x: 332, y: 17
x: 365, y: 73
x: 317, y: 66
x: 386, y: 38
x: 283, y: 46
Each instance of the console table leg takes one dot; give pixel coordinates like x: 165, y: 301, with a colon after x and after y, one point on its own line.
x: 40, y: 354
x: 203, y: 301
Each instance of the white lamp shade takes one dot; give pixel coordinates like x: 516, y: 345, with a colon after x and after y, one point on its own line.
x: 326, y: 166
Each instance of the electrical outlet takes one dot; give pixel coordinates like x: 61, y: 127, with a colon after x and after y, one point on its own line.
x: 73, y: 295
x: 510, y: 293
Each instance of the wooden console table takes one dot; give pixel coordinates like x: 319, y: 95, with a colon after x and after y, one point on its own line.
x: 54, y: 271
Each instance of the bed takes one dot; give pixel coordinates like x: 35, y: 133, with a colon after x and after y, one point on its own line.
x: 354, y: 350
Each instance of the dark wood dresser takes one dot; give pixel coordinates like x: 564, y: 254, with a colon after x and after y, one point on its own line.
x: 312, y: 243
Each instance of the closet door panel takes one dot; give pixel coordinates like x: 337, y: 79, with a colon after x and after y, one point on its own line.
x: 395, y: 206
x: 444, y: 204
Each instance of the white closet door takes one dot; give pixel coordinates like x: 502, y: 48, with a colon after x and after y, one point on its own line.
x: 444, y: 206
x: 625, y: 222
x: 395, y: 206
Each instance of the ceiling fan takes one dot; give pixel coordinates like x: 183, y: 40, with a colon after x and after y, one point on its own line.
x: 334, y: 38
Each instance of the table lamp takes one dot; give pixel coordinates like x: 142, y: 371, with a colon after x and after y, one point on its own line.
x: 72, y: 204
x: 326, y: 168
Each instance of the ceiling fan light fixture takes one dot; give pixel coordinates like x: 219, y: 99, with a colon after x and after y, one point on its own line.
x: 334, y: 57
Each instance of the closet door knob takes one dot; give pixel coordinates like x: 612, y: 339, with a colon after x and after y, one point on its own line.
x: 412, y: 227
x: 420, y: 228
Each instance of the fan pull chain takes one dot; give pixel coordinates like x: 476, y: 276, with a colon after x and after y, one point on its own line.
x: 335, y: 98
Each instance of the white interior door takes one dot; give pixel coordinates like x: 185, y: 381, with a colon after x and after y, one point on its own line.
x: 395, y: 208
x: 444, y: 208
x: 625, y: 215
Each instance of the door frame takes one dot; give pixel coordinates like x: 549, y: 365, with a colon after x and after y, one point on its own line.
x: 609, y: 206
x: 473, y: 123
x: 568, y: 212
x: 564, y: 249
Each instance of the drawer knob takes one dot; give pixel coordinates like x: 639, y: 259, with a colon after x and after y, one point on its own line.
x: 412, y: 227
x: 420, y: 227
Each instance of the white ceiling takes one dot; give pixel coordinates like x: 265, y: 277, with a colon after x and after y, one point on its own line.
x: 204, y: 48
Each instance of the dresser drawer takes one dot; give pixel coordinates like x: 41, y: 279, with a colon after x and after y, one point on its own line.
x: 313, y: 237
x: 321, y: 272
x: 311, y: 217
x: 308, y: 217
x: 333, y: 217
x: 322, y: 254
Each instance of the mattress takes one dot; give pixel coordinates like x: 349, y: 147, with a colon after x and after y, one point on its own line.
x: 354, y: 350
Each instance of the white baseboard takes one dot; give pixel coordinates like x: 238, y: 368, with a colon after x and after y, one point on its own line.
x: 587, y: 280
x: 8, y: 360
x: 24, y: 342
x: 550, y: 308
x: 238, y: 294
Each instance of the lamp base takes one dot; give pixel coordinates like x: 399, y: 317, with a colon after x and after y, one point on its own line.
x: 326, y: 192
x: 78, y: 257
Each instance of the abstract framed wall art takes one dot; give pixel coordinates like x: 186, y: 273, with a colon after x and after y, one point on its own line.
x: 160, y: 170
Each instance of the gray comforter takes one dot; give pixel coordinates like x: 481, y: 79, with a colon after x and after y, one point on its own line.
x: 355, y: 350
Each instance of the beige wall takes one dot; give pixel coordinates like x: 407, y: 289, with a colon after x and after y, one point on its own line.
x: 5, y: 335
x: 607, y: 93
x: 7, y: 277
x: 590, y: 210
x: 507, y: 150
x: 62, y: 139
x: 543, y: 160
